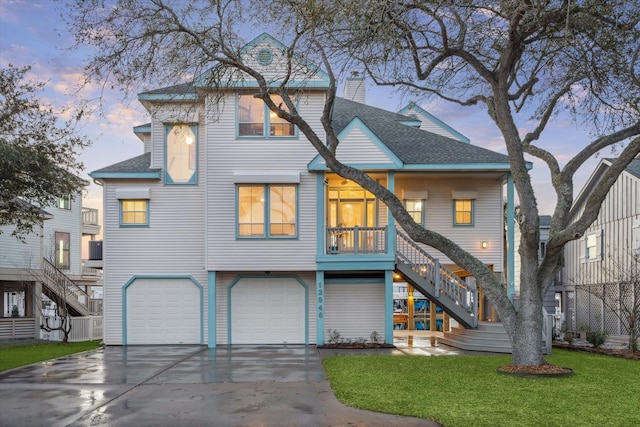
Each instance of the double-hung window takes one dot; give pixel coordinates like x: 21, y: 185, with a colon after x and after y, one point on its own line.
x: 591, y: 246
x: 255, y: 118
x: 134, y: 212
x: 267, y: 211
x: 63, y: 243
x: 64, y: 202
x: 415, y: 208
x: 181, y: 152
x: 463, y: 212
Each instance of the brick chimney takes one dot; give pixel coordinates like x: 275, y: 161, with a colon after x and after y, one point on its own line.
x: 354, y: 88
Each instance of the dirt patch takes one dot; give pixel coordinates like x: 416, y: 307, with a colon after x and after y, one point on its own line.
x: 546, y: 370
x: 616, y: 352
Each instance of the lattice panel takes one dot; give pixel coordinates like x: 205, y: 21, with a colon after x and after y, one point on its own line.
x: 626, y: 302
x: 612, y: 301
x: 582, y: 308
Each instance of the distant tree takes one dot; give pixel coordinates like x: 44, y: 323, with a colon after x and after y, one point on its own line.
x: 509, y: 56
x: 38, y: 161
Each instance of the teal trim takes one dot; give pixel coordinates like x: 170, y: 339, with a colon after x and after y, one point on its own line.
x: 267, y: 208
x: 391, y: 221
x: 140, y: 225
x: 321, y: 200
x: 356, y: 123
x: 461, y: 167
x: 162, y: 277
x: 125, y: 175
x: 435, y: 120
x: 412, y: 123
x: 145, y: 129
x: 388, y: 306
x: 269, y: 276
x: 354, y: 281
x: 473, y: 213
x: 318, y: 165
x: 211, y: 312
x: 320, y: 308
x: 511, y: 247
x: 350, y: 265
x: 193, y: 180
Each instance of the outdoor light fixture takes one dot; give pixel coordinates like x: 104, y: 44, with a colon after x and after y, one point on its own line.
x: 484, y: 245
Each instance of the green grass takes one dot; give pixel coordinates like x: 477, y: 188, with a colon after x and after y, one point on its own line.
x: 465, y: 391
x: 15, y: 353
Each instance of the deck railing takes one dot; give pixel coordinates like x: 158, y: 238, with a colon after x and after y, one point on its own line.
x: 356, y: 240
x: 90, y: 216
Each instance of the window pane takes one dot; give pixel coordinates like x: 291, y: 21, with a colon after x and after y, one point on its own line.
x: 251, y: 210
x: 250, y: 116
x: 463, y: 211
x: 278, y: 126
x: 414, y: 209
x: 134, y: 212
x: 62, y: 243
x: 181, y: 153
x: 282, y: 212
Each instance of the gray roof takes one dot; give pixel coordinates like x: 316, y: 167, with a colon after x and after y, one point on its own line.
x: 411, y: 145
x: 545, y: 220
x: 181, y: 89
x: 138, y: 164
x: 634, y: 167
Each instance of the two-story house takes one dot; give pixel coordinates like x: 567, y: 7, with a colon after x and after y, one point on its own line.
x: 48, y: 262
x: 601, y: 277
x: 230, y: 229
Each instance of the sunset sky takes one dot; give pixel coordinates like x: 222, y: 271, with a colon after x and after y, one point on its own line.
x: 32, y: 33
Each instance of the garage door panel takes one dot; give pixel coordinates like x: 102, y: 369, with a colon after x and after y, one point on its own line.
x: 163, y: 311
x: 270, y: 311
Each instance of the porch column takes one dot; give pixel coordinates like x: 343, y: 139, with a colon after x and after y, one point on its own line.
x: 411, y: 324
x: 432, y: 322
x: 391, y: 223
x: 211, y: 310
x: 510, y: 239
x: 320, y: 307
x: 388, y: 306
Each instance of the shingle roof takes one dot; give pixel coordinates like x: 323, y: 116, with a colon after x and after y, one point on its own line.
x: 138, y: 164
x: 634, y: 167
x: 545, y: 220
x: 411, y: 145
x: 181, y: 89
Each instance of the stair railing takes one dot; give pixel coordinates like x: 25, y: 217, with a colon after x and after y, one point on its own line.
x: 72, y: 291
x: 446, y: 283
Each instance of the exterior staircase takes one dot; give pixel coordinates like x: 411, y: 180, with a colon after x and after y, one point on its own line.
x: 489, y: 336
x: 456, y: 297
x: 57, y: 286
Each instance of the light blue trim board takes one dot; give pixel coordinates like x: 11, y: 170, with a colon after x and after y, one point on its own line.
x: 434, y: 120
x: 388, y: 306
x: 347, y: 265
x: 193, y: 180
x: 160, y: 277
x: 317, y: 164
x: 391, y: 221
x: 144, y: 129
x: 320, y: 297
x: 125, y: 175
x: 321, y: 198
x: 511, y: 260
x: 211, y: 312
x: 267, y: 277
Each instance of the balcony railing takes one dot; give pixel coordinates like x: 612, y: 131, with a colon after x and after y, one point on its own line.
x: 356, y: 240
x: 89, y: 216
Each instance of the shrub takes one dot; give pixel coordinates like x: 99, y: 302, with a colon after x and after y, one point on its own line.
x: 596, y: 338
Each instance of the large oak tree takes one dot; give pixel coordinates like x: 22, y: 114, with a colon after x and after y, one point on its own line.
x: 508, y: 56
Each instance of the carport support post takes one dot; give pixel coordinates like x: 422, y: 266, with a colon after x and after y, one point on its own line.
x: 388, y: 303
x: 211, y: 303
x: 320, y: 299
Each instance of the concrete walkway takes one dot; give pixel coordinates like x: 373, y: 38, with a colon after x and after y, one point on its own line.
x: 194, y: 386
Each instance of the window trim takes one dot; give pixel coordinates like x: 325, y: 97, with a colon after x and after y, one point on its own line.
x: 472, y: 212
x: 266, y: 125
x: 267, y: 211
x: 423, y: 219
x: 133, y: 225
x: 166, y: 177
x: 64, y: 202
x: 66, y: 250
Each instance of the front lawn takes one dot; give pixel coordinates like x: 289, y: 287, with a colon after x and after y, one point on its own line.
x: 15, y: 353
x: 466, y: 391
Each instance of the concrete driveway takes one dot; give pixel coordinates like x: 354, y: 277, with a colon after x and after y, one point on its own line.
x: 181, y: 386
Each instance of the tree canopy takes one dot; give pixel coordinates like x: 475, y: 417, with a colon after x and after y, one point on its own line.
x: 38, y: 162
x: 508, y: 57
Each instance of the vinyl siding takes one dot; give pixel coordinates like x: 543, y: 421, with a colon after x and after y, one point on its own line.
x: 357, y: 148
x: 224, y: 279
x: 226, y: 155
x: 487, y: 209
x: 355, y: 310
x: 19, y: 254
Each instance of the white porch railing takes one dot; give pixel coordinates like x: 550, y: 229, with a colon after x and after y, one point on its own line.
x: 87, y: 328
x: 356, y: 240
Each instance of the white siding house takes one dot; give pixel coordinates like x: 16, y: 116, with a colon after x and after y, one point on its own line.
x: 601, y: 269
x: 229, y: 229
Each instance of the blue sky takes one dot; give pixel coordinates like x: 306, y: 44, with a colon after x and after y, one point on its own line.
x: 31, y: 33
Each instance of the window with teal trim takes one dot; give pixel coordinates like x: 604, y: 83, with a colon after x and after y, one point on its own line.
x: 134, y: 213
x: 181, y: 154
x: 415, y: 208
x: 267, y: 211
x: 463, y: 212
x: 255, y: 118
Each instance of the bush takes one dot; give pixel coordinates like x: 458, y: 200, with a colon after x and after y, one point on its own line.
x: 596, y: 338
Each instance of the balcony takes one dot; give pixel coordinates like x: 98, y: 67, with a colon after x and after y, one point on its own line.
x: 90, y: 224
x: 356, y: 240
x: 95, y: 256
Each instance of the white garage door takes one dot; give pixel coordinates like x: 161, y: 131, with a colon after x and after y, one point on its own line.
x: 355, y: 310
x: 267, y: 311
x: 163, y: 311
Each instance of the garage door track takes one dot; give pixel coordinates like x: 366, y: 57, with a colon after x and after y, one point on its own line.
x: 181, y: 386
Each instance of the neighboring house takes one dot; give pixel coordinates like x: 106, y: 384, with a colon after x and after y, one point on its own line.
x: 48, y: 262
x: 601, y: 267
x: 229, y: 229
